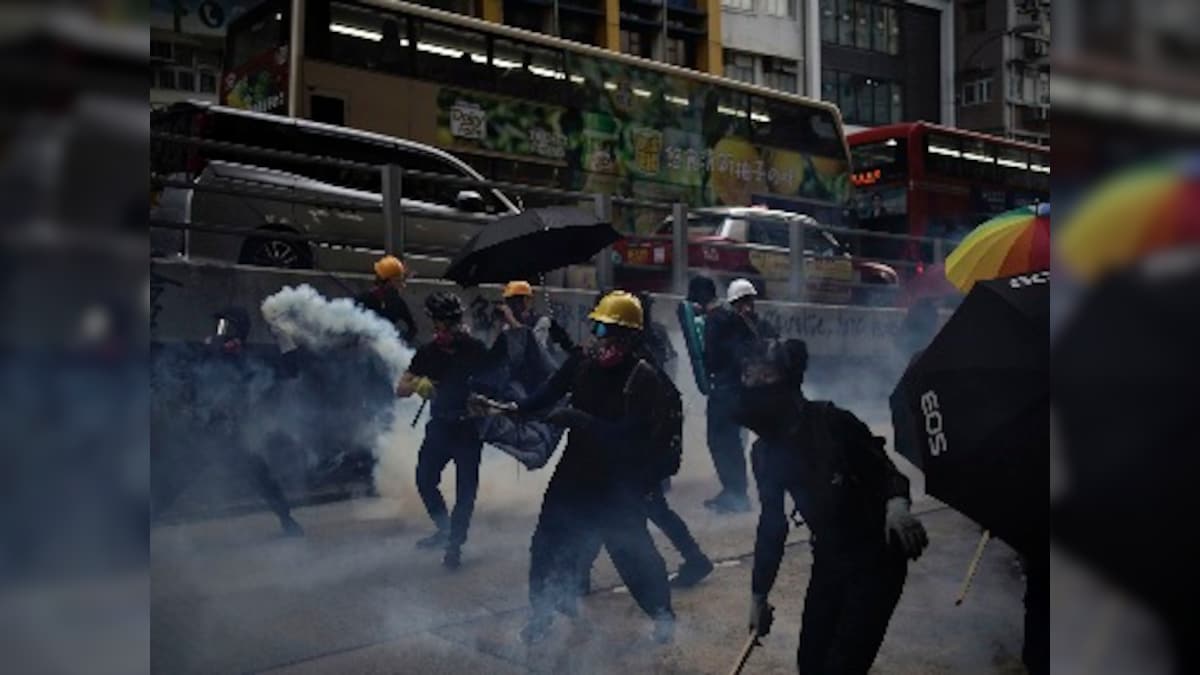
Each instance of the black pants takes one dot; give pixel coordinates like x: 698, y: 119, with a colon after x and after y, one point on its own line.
x: 170, y: 479
x: 847, y: 608
x: 446, y: 442
x: 574, y: 522
x: 659, y: 512
x: 1036, y: 650
x: 725, y: 442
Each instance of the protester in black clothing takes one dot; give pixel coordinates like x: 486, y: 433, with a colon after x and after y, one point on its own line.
x: 728, y: 334
x: 441, y: 370
x: 598, y: 491
x: 854, y: 499
x: 385, y: 300
x: 696, y: 565
x: 217, y: 401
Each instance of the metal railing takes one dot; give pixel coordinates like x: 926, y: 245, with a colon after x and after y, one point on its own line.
x: 395, y: 210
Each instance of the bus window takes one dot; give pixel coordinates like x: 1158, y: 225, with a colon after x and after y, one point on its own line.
x: 529, y: 71
x: 979, y: 160
x: 1013, y: 166
x: 1039, y: 167
x: 731, y: 118
x: 943, y: 155
x: 453, y: 56
x: 881, y: 162
x: 367, y: 39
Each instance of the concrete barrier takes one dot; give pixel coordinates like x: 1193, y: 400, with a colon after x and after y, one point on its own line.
x: 851, y: 347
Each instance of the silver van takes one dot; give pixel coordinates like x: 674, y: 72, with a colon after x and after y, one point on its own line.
x: 347, y: 222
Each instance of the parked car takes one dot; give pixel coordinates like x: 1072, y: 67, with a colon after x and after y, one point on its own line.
x: 754, y: 242
x: 439, y: 217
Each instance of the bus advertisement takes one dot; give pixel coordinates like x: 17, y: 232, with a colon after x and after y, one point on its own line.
x: 524, y: 107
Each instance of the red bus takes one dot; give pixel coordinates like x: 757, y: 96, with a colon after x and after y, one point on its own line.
x: 926, y: 180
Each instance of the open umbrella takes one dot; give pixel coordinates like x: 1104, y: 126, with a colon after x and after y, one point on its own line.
x: 1137, y: 211
x: 1014, y: 242
x: 973, y: 409
x: 529, y: 244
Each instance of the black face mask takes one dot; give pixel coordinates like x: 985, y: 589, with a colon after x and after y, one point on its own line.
x: 765, y: 409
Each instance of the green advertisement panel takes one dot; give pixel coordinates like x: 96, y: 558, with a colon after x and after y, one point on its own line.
x: 641, y: 133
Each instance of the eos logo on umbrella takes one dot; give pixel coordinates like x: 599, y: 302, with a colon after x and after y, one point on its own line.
x: 1027, y: 280
x: 933, y: 423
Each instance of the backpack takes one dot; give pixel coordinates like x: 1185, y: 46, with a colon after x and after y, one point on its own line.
x: 665, y: 442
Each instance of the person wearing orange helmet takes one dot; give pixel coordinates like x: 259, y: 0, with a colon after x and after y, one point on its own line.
x: 384, y: 297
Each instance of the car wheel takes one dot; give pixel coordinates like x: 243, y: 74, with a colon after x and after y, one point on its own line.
x: 267, y: 252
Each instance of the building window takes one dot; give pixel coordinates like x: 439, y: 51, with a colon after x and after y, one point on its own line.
x: 975, y: 16
x: 634, y: 42
x: 184, y: 67
x: 862, y: 100
x: 977, y: 92
x: 861, y: 24
x: 781, y: 74
x: 739, y: 66
x: 739, y: 5
x: 781, y: 8
x: 680, y: 52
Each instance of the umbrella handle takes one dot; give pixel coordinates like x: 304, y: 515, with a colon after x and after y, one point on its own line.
x: 973, y: 567
x: 747, y: 648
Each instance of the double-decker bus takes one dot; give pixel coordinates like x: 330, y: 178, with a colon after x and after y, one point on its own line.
x: 529, y: 108
x: 926, y: 180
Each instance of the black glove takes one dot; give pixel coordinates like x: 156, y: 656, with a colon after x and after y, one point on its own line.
x: 570, y: 418
x: 762, y: 615
x: 903, y: 527
x: 559, y: 336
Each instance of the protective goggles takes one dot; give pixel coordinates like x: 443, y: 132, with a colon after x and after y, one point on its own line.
x: 600, y: 329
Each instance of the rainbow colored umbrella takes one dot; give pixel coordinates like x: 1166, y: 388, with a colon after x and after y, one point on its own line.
x: 1014, y: 242
x: 1131, y: 214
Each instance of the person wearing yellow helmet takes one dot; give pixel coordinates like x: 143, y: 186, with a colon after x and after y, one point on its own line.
x: 599, y: 485
x: 384, y: 297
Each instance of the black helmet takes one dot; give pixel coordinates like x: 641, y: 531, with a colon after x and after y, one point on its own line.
x: 444, y: 306
x: 233, y: 322
x: 701, y: 290
x: 776, y: 361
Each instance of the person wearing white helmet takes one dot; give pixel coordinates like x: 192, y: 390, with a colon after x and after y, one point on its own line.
x: 729, y: 332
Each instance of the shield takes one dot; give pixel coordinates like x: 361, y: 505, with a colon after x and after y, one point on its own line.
x: 973, y: 410
x: 529, y: 244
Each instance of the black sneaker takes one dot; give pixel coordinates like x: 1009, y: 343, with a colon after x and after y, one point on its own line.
x: 290, y: 527
x: 452, y: 560
x: 732, y: 504
x: 436, y: 540
x: 692, y: 572
x: 664, y: 629
x: 537, y: 628
x: 714, y: 502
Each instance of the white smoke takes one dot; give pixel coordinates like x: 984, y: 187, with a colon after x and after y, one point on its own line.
x: 313, y: 321
x: 307, y: 319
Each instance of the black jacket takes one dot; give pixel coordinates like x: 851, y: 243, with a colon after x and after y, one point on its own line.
x: 610, y: 450
x: 840, y: 479
x: 728, y: 336
x: 386, y: 301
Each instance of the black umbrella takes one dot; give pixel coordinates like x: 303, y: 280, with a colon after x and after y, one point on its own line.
x: 973, y: 409
x: 529, y: 244
x: 1127, y: 406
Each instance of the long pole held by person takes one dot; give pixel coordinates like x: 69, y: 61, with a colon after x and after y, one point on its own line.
x: 751, y: 642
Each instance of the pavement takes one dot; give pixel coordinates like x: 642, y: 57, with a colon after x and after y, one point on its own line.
x: 231, y: 595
